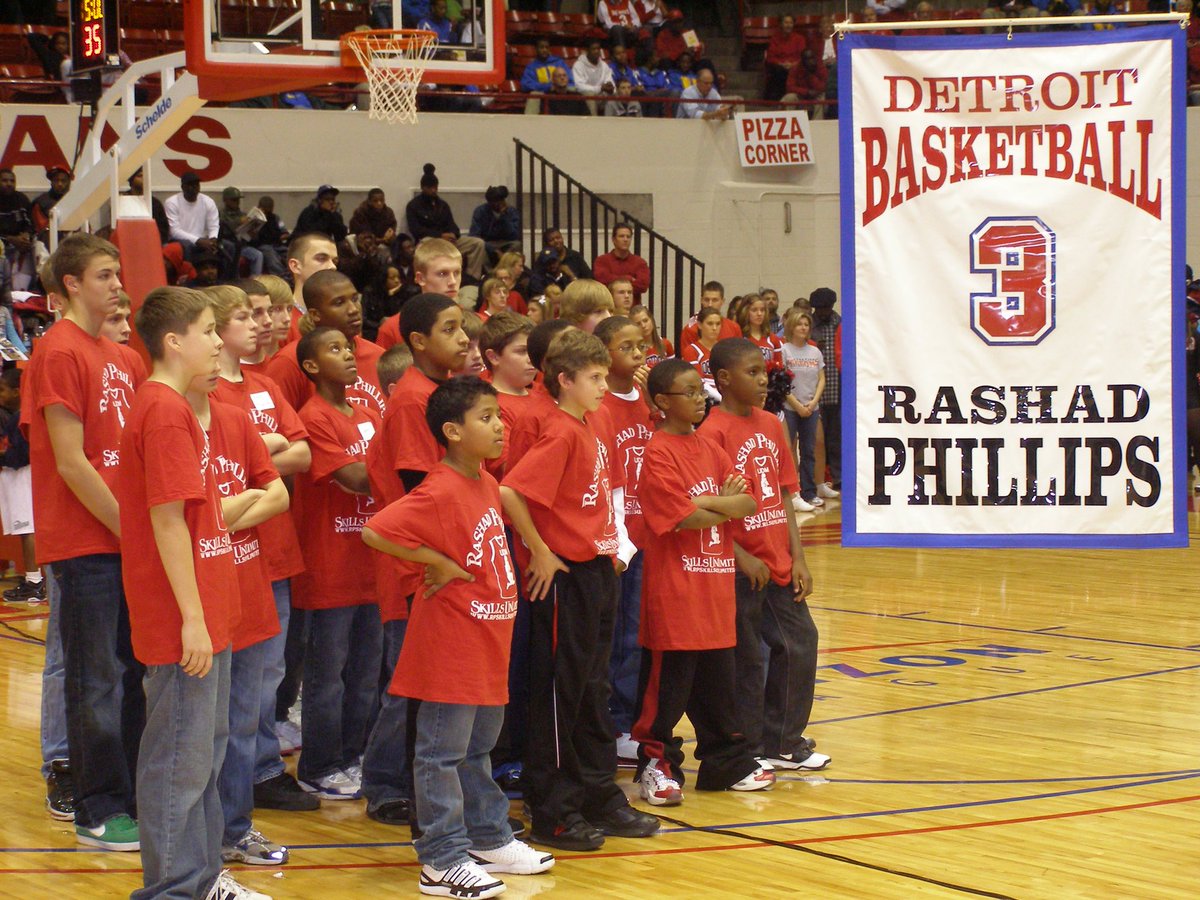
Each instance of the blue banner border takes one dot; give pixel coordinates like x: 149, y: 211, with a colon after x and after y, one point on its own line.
x: 852, y: 41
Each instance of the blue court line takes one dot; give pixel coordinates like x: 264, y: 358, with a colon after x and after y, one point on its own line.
x: 20, y: 640
x: 908, y: 617
x: 1010, y: 694
x: 968, y: 804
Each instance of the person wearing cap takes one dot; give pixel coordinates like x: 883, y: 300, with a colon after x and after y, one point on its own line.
x: 322, y: 216
x: 547, y: 270
x: 496, y: 223
x: 60, y: 183
x: 194, y: 220
x: 239, y: 227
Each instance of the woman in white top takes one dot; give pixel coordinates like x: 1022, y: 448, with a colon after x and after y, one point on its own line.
x: 807, y: 367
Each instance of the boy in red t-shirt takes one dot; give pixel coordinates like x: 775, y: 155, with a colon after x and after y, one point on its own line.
x: 773, y: 579
x: 689, y: 490
x: 437, y: 269
x: 455, y: 655
x: 307, y: 254
x: 284, y: 437
x: 558, y: 498
x: 332, y: 503
x: 633, y: 426
x: 397, y: 461
x: 504, y: 344
x: 183, y: 600
x: 333, y: 302
x: 75, y: 403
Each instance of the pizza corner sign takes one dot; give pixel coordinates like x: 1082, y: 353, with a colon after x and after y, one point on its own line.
x: 777, y: 138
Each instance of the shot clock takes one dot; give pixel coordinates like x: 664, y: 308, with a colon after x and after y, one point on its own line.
x: 94, y: 35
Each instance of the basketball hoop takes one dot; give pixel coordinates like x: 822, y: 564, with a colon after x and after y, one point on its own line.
x: 394, y: 61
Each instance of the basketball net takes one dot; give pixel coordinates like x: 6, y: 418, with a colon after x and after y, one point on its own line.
x: 394, y: 62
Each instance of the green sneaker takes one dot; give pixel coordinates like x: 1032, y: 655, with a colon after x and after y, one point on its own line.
x: 118, y: 833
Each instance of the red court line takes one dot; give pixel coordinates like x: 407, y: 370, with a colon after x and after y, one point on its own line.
x: 750, y: 845
x: 41, y: 615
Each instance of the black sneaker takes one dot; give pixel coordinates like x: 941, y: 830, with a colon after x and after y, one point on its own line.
x: 27, y: 592
x: 508, y: 777
x: 283, y: 792
x: 578, y: 835
x: 60, y: 791
x: 391, y: 812
x: 626, y: 822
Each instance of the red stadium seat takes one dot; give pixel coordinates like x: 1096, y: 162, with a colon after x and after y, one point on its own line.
x: 14, y: 46
x: 519, y: 26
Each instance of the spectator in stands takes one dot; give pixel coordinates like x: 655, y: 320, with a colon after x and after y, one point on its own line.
x: 562, y: 99
x: 412, y: 12
x: 884, y: 8
x: 656, y: 82
x: 547, y: 270
x: 430, y: 216
x: 537, y: 75
x: 51, y: 51
x: 682, y: 75
x: 363, y: 263
x: 592, y: 76
x: 375, y: 216
x: 439, y: 23
x: 783, y: 52
x: 677, y: 38
x: 137, y: 186
x: 806, y: 84
x: 60, y: 183
x: 653, y: 14
x: 16, y: 230
x: 513, y: 262
x: 496, y: 223
x: 238, y: 226
x: 623, y: 106
x: 702, y: 90
x: 402, y: 259
x: 622, y: 295
x: 924, y: 13
x: 196, y: 224
x: 712, y: 296
x: 272, y: 238
x: 322, y: 216
x: 572, y: 261
x: 622, y: 69
x: 620, y: 19
x: 622, y: 262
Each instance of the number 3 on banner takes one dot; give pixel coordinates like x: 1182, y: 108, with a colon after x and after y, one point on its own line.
x: 1019, y: 253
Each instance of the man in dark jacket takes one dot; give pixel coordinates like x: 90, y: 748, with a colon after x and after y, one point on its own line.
x: 322, y: 216
x: 430, y: 216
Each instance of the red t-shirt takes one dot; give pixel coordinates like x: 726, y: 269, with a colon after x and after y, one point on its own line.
x: 759, y: 450
x: 167, y: 458
x: 512, y: 406
x: 691, y: 331
x: 564, y: 477
x: 297, y: 388
x: 389, y: 332
x: 412, y: 444
x: 138, y: 365
x: 329, y: 520
x: 262, y: 400
x: 653, y: 358
x: 697, y: 354
x: 528, y: 424
x: 633, y: 427
x: 458, y: 517
x: 240, y: 461
x: 687, y: 587
x: 771, y: 348
x: 94, y: 379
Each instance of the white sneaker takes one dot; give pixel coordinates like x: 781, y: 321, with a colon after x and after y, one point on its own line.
x: 335, y: 786
x: 465, y: 880
x: 627, y: 749
x: 812, y: 762
x: 288, y: 733
x: 514, y: 858
x: 354, y: 772
x: 225, y: 888
x: 758, y: 780
x: 658, y: 788
x: 817, y: 501
x: 764, y: 763
x: 255, y: 850
x: 825, y: 489
x: 799, y: 504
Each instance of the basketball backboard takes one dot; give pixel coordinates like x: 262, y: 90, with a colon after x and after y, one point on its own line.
x: 246, y: 48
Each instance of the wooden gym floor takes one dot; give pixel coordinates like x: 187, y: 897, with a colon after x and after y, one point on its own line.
x: 1002, y: 724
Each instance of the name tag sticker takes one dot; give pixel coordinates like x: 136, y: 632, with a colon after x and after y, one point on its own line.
x: 262, y: 400
x: 367, y: 430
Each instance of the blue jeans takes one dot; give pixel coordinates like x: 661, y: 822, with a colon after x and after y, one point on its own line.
x: 54, y: 700
x: 626, y: 661
x: 459, y: 807
x: 183, y: 747
x: 106, y: 709
x: 804, y: 429
x: 267, y: 762
x: 236, y: 784
x: 385, y: 761
x: 341, y: 687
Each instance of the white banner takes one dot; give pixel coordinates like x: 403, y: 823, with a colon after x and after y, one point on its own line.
x: 1012, y: 215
